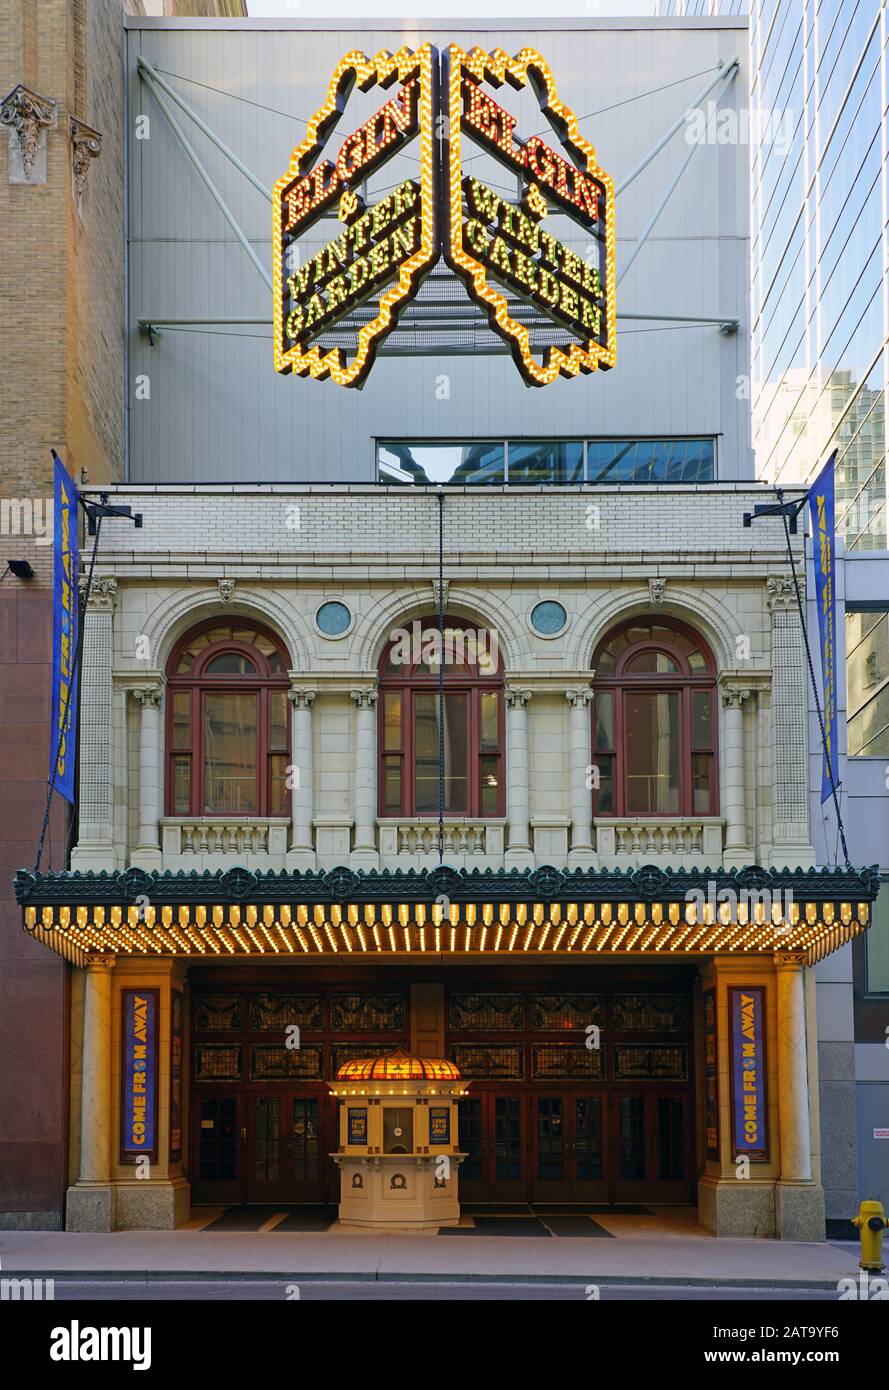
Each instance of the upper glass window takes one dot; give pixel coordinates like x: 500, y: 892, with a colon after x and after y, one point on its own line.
x: 654, y: 722
x: 531, y: 462
x: 867, y: 683
x: 228, y: 723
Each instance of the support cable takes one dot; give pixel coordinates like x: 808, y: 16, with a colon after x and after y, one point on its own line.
x: 779, y: 493
x: 72, y: 686
x: 441, y: 666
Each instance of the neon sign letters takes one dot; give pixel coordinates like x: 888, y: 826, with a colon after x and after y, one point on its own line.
x: 519, y: 271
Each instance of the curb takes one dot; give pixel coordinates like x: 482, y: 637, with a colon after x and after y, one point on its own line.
x: 93, y: 1276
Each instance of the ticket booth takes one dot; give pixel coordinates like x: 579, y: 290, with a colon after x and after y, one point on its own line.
x: 399, y: 1145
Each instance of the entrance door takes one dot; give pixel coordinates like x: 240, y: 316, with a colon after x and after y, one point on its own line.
x: 285, y: 1162
x: 651, y: 1153
x: 492, y: 1134
x: 569, y: 1148
x: 218, y: 1148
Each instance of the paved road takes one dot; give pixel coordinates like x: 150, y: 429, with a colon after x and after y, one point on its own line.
x: 373, y: 1291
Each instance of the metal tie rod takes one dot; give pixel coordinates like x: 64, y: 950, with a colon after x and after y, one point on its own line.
x: 213, y: 190
x: 145, y: 69
x: 722, y: 76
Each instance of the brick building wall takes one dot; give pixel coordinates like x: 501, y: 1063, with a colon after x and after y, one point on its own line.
x: 62, y: 387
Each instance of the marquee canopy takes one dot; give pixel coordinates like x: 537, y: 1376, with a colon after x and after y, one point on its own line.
x: 650, y: 912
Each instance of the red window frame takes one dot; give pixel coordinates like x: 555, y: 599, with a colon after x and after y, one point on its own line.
x: 197, y: 683
x: 685, y: 682
x: 413, y: 682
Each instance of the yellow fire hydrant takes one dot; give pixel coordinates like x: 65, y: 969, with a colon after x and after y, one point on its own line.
x: 871, y: 1222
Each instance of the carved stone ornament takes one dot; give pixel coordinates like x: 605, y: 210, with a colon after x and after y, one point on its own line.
x: 436, y: 591
x: 365, y: 697
x: 149, y: 696
x: 780, y: 594
x: 735, y: 695
x: 103, y: 593
x: 27, y: 114
x: 517, y: 699
x: 226, y: 589
x: 579, y: 698
x: 657, y: 588
x: 86, y: 145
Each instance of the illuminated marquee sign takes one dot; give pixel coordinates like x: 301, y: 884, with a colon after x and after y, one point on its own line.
x: 496, y: 241
x: 501, y: 249
x: 389, y: 244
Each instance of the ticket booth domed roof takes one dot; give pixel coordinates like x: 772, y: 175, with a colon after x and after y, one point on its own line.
x: 398, y: 1066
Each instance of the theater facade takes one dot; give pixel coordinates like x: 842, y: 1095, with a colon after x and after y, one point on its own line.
x: 461, y: 772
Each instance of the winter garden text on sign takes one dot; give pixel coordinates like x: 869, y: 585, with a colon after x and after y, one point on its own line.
x: 387, y: 247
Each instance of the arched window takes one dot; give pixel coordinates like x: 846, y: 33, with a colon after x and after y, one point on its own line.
x: 228, y: 722
x: 654, y: 722
x: 409, y: 721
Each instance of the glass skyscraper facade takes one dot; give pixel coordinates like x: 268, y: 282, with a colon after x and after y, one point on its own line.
x: 818, y: 147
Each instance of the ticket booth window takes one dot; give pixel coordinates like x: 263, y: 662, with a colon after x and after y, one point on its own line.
x: 398, y: 1129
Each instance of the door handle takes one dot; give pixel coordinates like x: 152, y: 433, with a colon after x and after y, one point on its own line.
x: 243, y: 1134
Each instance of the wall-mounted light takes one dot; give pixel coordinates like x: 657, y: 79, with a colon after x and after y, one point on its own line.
x: 21, y: 569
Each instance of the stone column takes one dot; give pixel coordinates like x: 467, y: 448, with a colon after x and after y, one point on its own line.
x: 302, y: 846
x: 518, y: 852
x: 90, y: 1204
x: 580, y: 758
x: 790, y: 727
x: 799, y: 1202
x: 95, y: 848
x: 364, y: 853
x: 736, y: 852
x: 147, y: 854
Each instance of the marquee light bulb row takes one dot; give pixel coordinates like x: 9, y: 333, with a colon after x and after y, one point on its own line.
x: 565, y: 291
x: 477, y: 929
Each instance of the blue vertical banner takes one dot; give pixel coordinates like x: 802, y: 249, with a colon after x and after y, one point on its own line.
x: 138, y: 1075
x: 822, y: 506
x: 63, y: 728
x: 747, y: 1037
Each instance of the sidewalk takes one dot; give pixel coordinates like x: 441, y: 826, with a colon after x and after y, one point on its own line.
x: 396, y: 1257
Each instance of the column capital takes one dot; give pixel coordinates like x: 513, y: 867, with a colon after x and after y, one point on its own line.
x: 148, y: 696
x: 789, y: 960
x: 780, y: 593
x: 103, y: 593
x: 517, y: 698
x: 365, y: 696
x: 579, y: 698
x: 301, y: 696
x: 734, y: 695
x: 101, y: 962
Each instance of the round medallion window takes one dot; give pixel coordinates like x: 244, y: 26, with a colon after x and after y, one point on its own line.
x: 549, y: 618
x: 333, y: 619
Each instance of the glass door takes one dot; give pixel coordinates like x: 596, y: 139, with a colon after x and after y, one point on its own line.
x: 218, y: 1148
x: 568, y: 1162
x: 652, y: 1147
x: 284, y: 1154
x: 492, y: 1135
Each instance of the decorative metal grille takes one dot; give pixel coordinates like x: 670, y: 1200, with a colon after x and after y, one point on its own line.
x: 271, y: 1063
x: 217, y: 1013
x: 649, y: 1062
x: 341, y: 1053
x: 565, y: 1061
x: 274, y: 1012
x: 650, y: 1013
x: 487, y: 1061
x: 369, y: 1013
x: 217, y: 1062
x: 551, y: 1013
x: 486, y: 1013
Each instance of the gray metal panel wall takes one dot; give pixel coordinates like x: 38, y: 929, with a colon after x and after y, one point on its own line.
x: 217, y: 411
